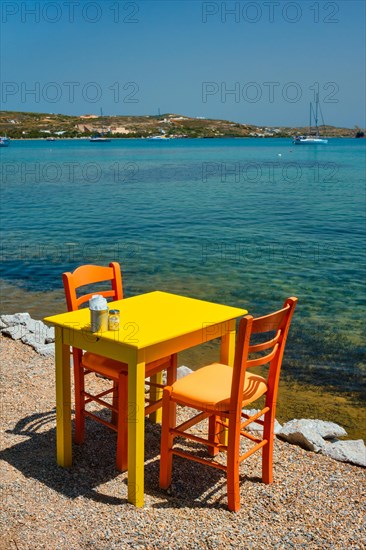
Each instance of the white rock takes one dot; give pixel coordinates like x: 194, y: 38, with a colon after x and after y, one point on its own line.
x: 45, y: 349
x: 310, y: 434
x: 329, y: 430
x: 353, y: 451
x: 255, y: 427
x: 35, y: 326
x: 21, y: 326
x: 50, y: 335
x: 16, y: 332
x: 183, y: 371
x: 16, y: 319
x: 31, y: 340
x: 41, y: 331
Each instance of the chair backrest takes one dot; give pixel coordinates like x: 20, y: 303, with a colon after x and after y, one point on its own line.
x: 270, y: 350
x: 86, y: 275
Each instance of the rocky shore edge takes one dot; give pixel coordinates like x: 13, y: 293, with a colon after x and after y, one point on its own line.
x: 314, y: 435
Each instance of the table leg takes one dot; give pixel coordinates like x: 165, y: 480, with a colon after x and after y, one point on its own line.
x: 227, y: 353
x: 63, y: 401
x: 136, y: 431
x: 227, y: 350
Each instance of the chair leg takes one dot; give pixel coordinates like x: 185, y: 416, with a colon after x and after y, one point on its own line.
x: 267, y: 452
x: 114, y: 418
x: 171, y: 373
x: 233, y: 489
x: 171, y: 377
x: 79, y: 404
x: 213, y: 434
x: 166, y: 456
x: 122, y: 425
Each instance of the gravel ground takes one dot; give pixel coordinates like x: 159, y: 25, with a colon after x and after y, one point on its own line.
x: 314, y: 501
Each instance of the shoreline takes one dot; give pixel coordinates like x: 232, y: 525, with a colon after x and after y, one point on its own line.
x: 87, y: 138
x: 170, y: 125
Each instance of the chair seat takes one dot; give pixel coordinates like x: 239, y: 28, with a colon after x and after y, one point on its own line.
x: 112, y: 369
x: 209, y: 388
x: 104, y: 366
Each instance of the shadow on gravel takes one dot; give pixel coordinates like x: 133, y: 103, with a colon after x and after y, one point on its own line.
x: 193, y: 485
x: 93, y: 462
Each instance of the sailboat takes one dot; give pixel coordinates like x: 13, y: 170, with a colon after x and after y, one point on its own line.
x: 313, y: 137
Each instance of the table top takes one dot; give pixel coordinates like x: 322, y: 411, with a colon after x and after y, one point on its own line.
x: 148, y: 319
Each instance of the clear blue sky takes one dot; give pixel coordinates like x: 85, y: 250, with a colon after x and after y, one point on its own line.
x: 183, y: 56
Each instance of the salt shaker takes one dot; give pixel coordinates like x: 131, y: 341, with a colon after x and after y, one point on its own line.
x: 113, y: 319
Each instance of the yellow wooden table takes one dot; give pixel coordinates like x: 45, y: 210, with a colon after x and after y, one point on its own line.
x: 152, y: 326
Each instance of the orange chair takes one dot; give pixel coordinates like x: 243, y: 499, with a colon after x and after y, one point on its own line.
x: 86, y: 363
x: 220, y: 393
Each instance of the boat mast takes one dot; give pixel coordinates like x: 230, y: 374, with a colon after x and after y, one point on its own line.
x: 316, y: 114
x: 311, y: 108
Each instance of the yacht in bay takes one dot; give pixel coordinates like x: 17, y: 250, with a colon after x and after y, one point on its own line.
x: 314, y: 136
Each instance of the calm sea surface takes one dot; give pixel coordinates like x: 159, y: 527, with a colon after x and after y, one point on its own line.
x: 245, y: 222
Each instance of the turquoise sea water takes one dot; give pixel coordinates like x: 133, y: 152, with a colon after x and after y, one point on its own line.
x: 245, y: 222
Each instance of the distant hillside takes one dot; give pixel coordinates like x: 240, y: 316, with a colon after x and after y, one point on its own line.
x: 42, y: 125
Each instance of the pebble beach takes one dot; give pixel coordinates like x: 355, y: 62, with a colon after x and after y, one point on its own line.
x: 314, y: 502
